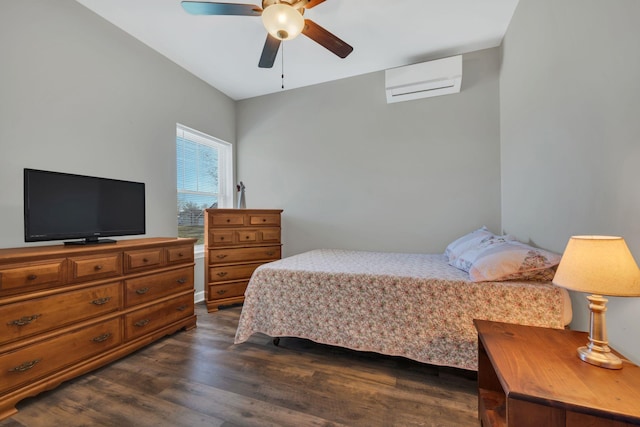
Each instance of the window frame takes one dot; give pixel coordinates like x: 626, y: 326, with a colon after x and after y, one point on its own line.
x: 225, y: 167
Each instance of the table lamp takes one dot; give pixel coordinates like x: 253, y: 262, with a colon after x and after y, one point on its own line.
x: 599, y: 265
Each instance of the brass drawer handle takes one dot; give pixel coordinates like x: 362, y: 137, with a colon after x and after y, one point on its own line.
x: 142, y: 322
x: 221, y: 292
x: 101, y: 338
x: 181, y: 308
x: 23, y: 321
x: 101, y: 301
x: 142, y: 291
x: 222, y: 273
x: 182, y: 281
x: 97, y: 267
x: 32, y: 277
x: 221, y: 256
x: 25, y: 366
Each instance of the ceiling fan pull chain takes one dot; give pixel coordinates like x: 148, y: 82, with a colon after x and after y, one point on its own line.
x: 282, y: 65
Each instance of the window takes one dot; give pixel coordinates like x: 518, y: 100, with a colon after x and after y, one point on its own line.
x: 204, y: 179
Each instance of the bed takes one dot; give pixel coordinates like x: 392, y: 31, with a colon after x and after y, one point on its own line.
x: 416, y: 306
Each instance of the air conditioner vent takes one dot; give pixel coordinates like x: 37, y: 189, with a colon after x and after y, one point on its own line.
x: 433, y: 78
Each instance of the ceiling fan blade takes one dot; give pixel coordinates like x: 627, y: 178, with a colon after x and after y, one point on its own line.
x: 208, y: 8
x: 324, y: 38
x: 269, y: 52
x: 313, y: 3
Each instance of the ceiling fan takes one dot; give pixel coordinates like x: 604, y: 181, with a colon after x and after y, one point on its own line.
x: 283, y: 20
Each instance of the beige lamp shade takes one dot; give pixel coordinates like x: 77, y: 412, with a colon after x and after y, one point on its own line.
x: 601, y: 265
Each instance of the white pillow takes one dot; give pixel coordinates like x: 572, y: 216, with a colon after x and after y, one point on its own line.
x: 502, y: 258
x: 465, y: 243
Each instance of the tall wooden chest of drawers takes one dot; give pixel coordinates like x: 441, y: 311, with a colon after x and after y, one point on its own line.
x: 237, y: 241
x: 66, y: 310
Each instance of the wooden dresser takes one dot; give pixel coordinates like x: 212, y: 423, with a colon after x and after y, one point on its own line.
x: 237, y: 241
x: 66, y: 310
x: 530, y: 377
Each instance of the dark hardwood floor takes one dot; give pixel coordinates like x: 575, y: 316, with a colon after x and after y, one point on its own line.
x: 200, y: 378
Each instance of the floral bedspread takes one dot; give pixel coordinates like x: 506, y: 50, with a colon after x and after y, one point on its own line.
x: 411, y: 305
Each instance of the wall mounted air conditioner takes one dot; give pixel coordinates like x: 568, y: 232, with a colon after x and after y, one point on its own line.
x: 433, y: 78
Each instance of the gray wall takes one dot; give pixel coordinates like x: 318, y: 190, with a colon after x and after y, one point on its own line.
x: 570, y: 134
x: 79, y: 95
x: 351, y: 171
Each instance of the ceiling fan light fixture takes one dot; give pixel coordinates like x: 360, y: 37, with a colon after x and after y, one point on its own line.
x: 282, y: 21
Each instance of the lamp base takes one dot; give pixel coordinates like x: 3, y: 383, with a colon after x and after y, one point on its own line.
x: 597, y: 351
x: 603, y: 359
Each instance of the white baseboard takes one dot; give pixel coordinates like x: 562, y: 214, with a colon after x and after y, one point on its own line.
x: 198, y: 297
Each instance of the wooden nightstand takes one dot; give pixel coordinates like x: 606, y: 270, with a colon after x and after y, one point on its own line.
x: 532, y: 377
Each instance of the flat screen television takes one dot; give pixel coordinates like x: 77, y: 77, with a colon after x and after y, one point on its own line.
x: 60, y: 206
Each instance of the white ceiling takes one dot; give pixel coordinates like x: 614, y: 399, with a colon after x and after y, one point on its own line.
x: 224, y: 50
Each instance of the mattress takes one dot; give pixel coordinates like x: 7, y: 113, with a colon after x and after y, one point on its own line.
x: 411, y: 305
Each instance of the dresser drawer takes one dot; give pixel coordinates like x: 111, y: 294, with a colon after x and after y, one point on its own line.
x: 231, y: 255
x: 180, y: 254
x: 270, y: 235
x: 147, y: 288
x: 95, y: 266
x: 265, y: 219
x: 221, y: 237
x: 246, y: 236
x: 36, y: 360
x: 228, y: 290
x: 230, y: 219
x: 142, y: 259
x: 35, y: 274
x: 148, y: 319
x: 232, y: 272
x: 22, y: 319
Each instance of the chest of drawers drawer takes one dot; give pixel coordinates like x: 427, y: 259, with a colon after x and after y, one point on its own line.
x: 180, y: 254
x: 232, y: 272
x: 142, y: 260
x: 147, y: 288
x: 146, y: 320
x: 26, y: 318
x: 95, y: 266
x: 34, y: 275
x: 264, y: 219
x: 228, y: 290
x: 42, y: 358
x: 235, y: 255
x: 243, y: 237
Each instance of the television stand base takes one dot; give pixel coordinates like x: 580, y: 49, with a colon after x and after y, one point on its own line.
x: 89, y: 241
